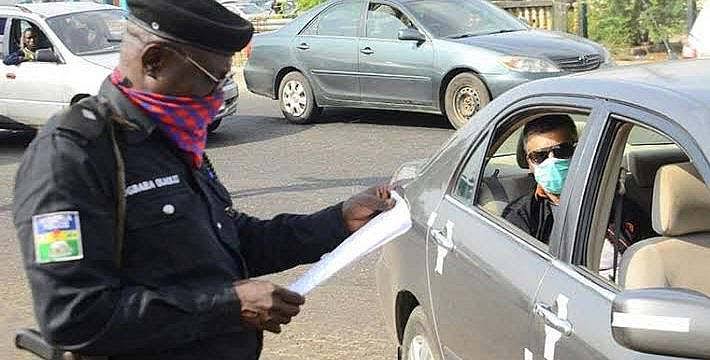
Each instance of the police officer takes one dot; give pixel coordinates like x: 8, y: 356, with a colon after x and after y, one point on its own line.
x: 131, y: 244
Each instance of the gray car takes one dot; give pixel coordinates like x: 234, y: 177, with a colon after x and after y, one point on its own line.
x: 464, y: 283
x: 435, y: 56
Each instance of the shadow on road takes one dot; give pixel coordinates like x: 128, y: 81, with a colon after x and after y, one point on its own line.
x: 308, y: 184
x: 384, y: 117
x: 13, y: 145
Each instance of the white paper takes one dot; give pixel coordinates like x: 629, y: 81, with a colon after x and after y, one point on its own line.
x: 376, y: 233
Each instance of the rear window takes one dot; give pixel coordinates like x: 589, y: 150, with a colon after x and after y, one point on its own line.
x: 3, y: 21
x: 641, y: 136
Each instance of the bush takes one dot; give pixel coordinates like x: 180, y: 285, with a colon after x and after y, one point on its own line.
x: 307, y: 4
x: 635, y: 22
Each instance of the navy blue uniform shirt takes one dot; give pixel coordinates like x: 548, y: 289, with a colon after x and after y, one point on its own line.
x: 185, y: 244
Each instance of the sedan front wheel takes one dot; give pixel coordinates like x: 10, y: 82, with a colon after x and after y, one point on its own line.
x: 465, y: 95
x: 296, y: 99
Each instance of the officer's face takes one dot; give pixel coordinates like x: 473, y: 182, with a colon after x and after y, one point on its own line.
x: 194, y: 72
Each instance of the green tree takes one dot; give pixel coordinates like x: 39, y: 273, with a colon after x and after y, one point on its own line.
x: 307, y: 4
x: 632, y: 22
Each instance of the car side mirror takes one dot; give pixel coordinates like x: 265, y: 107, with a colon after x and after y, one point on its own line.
x: 411, y: 34
x: 671, y: 322
x: 46, y: 55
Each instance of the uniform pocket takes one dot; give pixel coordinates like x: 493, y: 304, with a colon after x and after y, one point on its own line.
x: 154, y: 210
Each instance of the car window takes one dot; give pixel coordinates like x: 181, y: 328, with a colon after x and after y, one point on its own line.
x: 18, y: 27
x: 91, y: 32
x: 338, y: 20
x: 462, y: 18
x: 506, y: 186
x: 385, y: 22
x: 3, y: 22
x: 624, y: 210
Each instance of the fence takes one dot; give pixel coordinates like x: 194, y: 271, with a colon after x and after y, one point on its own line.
x: 542, y: 14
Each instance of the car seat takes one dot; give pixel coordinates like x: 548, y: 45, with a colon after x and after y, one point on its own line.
x: 679, y: 257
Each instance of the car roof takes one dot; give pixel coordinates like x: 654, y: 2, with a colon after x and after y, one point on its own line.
x: 677, y: 89
x: 52, y: 9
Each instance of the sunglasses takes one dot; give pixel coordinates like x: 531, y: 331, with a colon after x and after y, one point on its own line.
x: 560, y: 151
x: 219, y: 82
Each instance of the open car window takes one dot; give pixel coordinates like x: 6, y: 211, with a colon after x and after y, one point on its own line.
x: 505, y: 186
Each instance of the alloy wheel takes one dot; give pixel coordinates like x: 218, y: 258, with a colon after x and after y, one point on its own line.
x: 419, y: 349
x: 294, y: 98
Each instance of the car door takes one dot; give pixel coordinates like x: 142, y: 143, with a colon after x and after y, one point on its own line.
x: 484, y: 272
x: 574, y: 304
x: 33, y: 91
x: 392, y: 70
x: 327, y: 50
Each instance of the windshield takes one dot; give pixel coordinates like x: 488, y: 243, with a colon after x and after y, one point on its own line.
x: 463, y: 18
x: 91, y: 32
x: 250, y: 9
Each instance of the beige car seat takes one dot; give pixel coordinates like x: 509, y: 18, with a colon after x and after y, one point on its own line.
x: 680, y: 257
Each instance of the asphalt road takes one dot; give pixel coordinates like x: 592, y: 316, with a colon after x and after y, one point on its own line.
x: 273, y: 167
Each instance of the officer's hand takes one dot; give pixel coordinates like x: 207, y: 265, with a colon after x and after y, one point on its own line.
x: 266, y: 306
x: 361, y: 208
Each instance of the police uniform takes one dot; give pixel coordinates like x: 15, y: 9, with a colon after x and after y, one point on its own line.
x: 171, y: 295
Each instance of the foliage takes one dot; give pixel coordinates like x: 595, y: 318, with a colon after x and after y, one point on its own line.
x: 633, y: 22
x: 307, y: 4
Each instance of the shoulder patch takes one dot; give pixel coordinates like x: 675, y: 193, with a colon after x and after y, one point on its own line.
x: 57, y: 237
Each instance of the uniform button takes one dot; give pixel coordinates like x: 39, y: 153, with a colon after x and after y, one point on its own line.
x: 219, y: 225
x: 169, y: 209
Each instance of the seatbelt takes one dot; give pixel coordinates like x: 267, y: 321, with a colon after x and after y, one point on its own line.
x: 618, y: 220
x: 497, y: 189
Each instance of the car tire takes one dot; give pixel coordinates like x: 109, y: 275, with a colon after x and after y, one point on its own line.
x: 212, y: 127
x: 465, y: 95
x: 418, y: 342
x: 296, y: 99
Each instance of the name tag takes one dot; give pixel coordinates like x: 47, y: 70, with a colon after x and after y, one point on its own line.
x: 152, y: 184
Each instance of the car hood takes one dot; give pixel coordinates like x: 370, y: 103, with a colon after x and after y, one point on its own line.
x: 108, y: 60
x: 534, y: 43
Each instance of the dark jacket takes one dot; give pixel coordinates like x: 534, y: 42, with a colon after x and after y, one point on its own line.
x: 184, y: 243
x: 533, y: 215
x: 15, y: 58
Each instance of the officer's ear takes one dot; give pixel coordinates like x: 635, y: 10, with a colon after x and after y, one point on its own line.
x: 153, y: 59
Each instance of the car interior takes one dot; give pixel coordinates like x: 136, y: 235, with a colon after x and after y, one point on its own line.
x: 16, y: 30
x: 673, y: 202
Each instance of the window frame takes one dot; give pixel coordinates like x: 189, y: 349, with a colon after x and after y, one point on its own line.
x: 39, y: 26
x: 505, y: 120
x: 317, y: 18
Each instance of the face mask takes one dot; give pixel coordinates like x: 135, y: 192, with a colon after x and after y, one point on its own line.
x: 551, y: 174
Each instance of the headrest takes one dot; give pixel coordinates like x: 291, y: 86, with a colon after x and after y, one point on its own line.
x: 520, y: 155
x: 681, y: 201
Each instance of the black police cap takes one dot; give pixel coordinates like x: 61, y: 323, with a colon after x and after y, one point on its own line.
x: 201, y: 23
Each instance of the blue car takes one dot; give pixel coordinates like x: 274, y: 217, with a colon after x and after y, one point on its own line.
x: 447, y: 57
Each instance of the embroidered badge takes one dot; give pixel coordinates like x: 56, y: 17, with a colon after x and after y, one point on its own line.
x: 57, y: 237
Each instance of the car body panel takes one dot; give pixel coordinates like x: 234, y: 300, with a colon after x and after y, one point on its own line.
x: 672, y: 98
x: 422, y: 68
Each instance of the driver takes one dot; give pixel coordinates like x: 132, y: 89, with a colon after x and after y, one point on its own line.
x: 28, y: 50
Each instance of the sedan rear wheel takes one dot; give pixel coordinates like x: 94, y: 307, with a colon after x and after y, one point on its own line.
x: 418, y: 342
x: 296, y: 99
x: 465, y: 95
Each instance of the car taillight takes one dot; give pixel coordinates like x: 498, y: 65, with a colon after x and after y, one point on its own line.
x: 689, y: 52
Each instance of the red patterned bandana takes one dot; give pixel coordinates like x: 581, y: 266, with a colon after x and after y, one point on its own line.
x: 182, y: 119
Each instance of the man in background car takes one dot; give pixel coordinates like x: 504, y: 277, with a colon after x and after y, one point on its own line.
x: 27, y: 50
x: 549, y: 144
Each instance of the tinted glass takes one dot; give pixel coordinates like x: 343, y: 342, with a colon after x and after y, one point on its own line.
x: 3, y: 21
x: 642, y: 136
x: 339, y: 20
x: 462, y: 18
x: 91, y: 32
x: 385, y: 22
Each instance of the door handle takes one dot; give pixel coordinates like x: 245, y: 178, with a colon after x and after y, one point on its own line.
x: 303, y: 46
x: 11, y: 76
x: 367, y: 51
x: 443, y: 239
x: 552, y: 320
